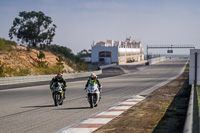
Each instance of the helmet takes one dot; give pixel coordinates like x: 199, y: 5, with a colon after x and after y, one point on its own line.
x: 59, y: 76
x: 93, y: 76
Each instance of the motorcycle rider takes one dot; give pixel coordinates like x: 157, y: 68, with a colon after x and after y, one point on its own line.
x: 59, y: 78
x: 94, y: 79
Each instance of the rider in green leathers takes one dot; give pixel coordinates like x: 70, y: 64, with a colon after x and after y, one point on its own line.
x: 93, y: 79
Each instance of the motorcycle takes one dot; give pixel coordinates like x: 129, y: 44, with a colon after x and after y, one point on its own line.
x: 93, y: 95
x: 57, y: 93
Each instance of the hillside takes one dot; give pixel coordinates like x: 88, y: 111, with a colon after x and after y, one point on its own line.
x: 21, y: 61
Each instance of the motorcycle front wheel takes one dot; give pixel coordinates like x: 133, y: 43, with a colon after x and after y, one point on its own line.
x: 61, y: 99
x: 56, y: 99
x: 91, y: 100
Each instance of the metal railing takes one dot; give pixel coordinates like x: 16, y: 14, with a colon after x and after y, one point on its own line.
x: 106, y: 66
x: 156, y: 60
x: 192, y: 117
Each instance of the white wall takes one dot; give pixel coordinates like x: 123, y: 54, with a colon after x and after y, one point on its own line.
x: 97, y: 49
x: 129, y: 51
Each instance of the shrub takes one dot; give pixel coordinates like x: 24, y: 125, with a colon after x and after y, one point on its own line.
x: 2, y: 70
x: 24, y: 72
x: 41, y: 63
x: 21, y: 72
x: 48, y: 70
x: 5, y: 45
x: 72, y: 60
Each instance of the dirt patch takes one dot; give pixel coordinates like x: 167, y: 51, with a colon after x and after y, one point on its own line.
x: 163, y: 111
x: 22, y: 58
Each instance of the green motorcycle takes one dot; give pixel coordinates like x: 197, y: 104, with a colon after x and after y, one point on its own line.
x: 57, y: 93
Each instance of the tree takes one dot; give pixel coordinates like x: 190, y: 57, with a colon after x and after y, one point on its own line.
x: 33, y: 28
x: 40, y: 57
x: 84, y: 53
x: 59, y: 62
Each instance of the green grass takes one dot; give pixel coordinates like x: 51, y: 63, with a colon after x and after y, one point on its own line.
x: 48, y: 70
x: 13, y: 73
x: 188, y: 65
x: 26, y: 71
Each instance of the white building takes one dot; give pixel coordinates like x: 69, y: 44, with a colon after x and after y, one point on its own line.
x: 117, y: 52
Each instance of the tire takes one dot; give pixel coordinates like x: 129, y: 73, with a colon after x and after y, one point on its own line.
x: 56, y: 99
x: 95, y: 100
x: 61, y: 103
x: 61, y: 100
x: 91, y: 101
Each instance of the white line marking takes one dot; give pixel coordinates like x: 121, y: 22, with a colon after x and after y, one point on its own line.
x: 96, y: 121
x: 120, y: 107
x: 128, y: 103
x: 79, y: 130
x: 110, y: 113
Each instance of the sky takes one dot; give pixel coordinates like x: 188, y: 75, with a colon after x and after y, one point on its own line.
x: 80, y: 22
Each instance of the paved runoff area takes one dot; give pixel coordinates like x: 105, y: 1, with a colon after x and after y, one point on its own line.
x: 94, y: 122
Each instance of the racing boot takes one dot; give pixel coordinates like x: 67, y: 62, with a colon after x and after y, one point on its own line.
x: 64, y: 95
x: 100, y: 90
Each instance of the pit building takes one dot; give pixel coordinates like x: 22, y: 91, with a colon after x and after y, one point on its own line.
x: 117, y: 52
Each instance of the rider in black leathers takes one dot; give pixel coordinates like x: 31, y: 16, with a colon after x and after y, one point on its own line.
x: 59, y: 78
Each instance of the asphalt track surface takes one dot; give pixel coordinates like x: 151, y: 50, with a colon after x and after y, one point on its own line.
x: 31, y: 109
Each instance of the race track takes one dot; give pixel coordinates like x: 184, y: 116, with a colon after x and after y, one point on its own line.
x: 31, y: 109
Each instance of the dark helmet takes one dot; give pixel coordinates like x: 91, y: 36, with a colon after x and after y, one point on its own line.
x: 59, y: 76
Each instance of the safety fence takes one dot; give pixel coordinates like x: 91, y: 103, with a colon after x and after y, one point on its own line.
x: 192, y: 118
x: 39, y: 78
x: 106, y: 66
x: 156, y: 60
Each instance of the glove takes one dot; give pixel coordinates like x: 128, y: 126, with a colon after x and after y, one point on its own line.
x: 50, y: 87
x: 64, y: 88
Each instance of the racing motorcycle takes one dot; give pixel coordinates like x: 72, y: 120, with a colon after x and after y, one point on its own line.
x: 57, y: 93
x: 93, y: 95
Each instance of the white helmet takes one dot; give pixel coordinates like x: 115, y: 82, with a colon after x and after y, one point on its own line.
x: 93, y: 76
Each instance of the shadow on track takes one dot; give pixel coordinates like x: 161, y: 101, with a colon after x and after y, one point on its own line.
x: 42, y: 106
x: 73, y: 108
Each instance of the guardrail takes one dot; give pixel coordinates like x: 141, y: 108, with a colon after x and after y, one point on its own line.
x: 106, y: 66
x: 28, y: 79
x: 192, y: 117
x: 156, y: 60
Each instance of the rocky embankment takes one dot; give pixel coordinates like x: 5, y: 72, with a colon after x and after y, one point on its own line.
x: 22, y: 58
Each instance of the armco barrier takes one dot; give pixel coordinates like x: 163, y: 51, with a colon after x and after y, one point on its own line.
x: 106, y: 66
x: 192, y: 117
x: 189, y: 116
x: 28, y: 79
x: 156, y: 60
